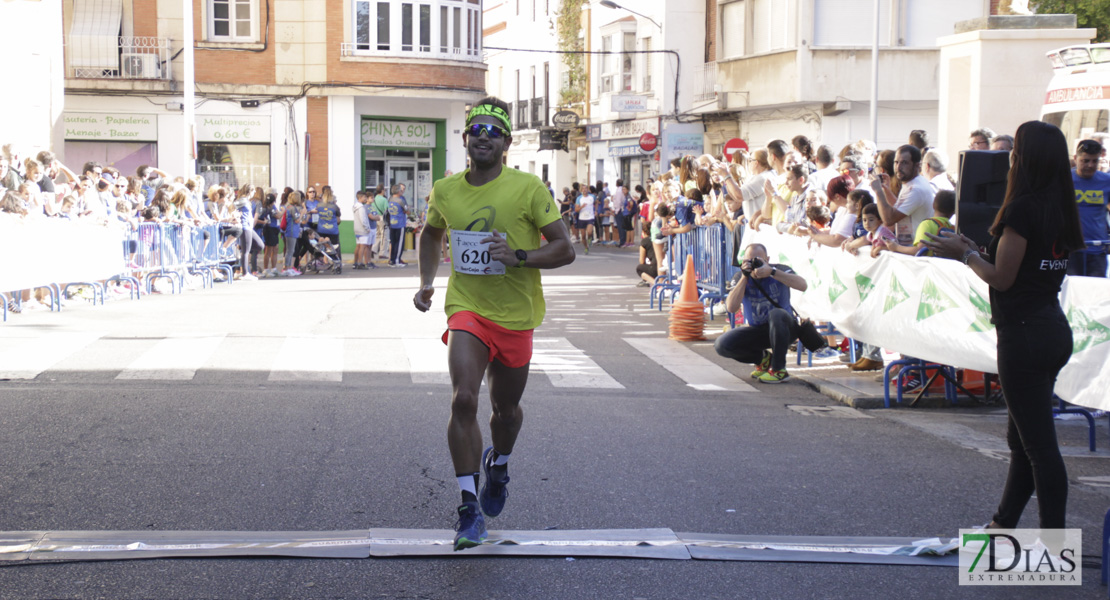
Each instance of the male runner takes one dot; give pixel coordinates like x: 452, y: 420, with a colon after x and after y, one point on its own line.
x: 494, y: 301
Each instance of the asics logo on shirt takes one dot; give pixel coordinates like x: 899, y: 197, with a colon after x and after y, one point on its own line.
x: 1095, y: 197
x: 486, y: 221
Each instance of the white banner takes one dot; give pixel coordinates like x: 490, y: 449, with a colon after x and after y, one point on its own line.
x: 938, y: 310
x: 46, y: 250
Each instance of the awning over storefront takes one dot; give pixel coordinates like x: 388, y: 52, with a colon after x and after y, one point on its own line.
x: 94, y: 34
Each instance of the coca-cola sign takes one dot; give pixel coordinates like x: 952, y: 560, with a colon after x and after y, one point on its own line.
x: 565, y: 119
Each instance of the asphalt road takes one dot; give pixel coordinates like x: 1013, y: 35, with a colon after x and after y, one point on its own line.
x: 231, y: 446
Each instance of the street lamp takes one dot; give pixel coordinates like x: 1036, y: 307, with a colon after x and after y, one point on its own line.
x: 611, y: 4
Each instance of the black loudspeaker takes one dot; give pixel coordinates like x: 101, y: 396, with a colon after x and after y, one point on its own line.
x: 979, y: 191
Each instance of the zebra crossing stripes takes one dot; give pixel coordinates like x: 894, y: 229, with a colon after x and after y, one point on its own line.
x: 26, y: 358
x: 689, y: 366
x: 326, y: 359
x: 175, y: 358
x: 567, y: 366
x: 304, y: 358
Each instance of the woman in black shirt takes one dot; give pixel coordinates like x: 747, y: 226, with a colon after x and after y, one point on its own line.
x: 1036, y: 228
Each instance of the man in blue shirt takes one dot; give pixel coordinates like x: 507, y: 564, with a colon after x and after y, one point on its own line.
x: 1092, y: 187
x: 770, y: 326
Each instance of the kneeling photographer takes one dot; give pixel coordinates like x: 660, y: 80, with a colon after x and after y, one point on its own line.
x: 770, y: 326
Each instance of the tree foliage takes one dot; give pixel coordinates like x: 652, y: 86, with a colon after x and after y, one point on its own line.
x: 1089, y: 13
x: 568, y: 25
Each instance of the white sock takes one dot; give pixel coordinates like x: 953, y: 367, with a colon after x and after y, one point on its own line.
x: 466, y: 483
x: 501, y: 460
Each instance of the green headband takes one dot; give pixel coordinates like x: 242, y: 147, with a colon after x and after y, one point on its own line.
x: 494, y: 111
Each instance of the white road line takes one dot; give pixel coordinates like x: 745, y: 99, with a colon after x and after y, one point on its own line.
x: 173, y: 358
x: 376, y: 355
x: 309, y: 359
x: 698, y: 372
x: 427, y: 360
x: 26, y: 358
x: 569, y: 367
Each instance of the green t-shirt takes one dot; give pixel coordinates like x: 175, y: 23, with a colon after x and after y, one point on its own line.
x: 517, y: 205
x: 932, y: 226
x: 381, y: 204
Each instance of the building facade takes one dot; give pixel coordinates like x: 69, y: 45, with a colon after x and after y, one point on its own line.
x: 347, y: 93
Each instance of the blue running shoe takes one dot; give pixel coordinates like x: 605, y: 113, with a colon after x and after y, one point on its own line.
x: 471, y: 527
x: 493, y: 494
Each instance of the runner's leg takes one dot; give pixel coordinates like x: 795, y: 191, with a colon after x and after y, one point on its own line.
x: 467, y: 358
x: 506, y: 386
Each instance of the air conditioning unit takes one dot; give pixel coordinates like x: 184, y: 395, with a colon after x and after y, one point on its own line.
x: 140, y: 66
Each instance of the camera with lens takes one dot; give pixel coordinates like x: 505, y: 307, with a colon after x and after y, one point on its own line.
x: 752, y: 265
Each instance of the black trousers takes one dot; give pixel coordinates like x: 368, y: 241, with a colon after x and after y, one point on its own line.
x: 396, y: 240
x: 746, y: 344
x: 1030, y: 356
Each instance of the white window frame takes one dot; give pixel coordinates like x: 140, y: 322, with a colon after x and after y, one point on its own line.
x: 459, y: 36
x: 210, y: 21
x: 610, y: 67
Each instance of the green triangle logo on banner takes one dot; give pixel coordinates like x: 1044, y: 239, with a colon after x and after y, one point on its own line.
x: 895, y: 296
x: 864, y: 285
x: 1086, y: 332
x: 816, y: 273
x: 836, y: 288
x: 982, y: 322
x: 933, y: 301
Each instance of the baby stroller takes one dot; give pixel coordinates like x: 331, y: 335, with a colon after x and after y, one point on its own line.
x: 325, y: 256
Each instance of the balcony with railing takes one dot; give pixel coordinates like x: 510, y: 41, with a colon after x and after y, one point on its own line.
x: 521, y: 118
x: 705, y: 82
x: 118, y: 57
x: 538, y: 112
x: 434, y: 29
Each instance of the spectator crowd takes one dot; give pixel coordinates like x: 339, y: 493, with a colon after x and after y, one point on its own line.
x: 859, y: 198
x: 290, y: 230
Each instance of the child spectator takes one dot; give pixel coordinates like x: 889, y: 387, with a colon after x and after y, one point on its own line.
x: 944, y: 206
x: 271, y: 234
x: 292, y: 218
x: 366, y: 229
x: 819, y: 217
x: 878, y: 235
x: 653, y: 249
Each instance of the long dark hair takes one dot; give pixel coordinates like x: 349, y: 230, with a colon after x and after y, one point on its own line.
x: 1041, y: 169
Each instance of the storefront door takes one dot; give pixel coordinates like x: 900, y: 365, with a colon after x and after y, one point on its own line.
x: 404, y: 171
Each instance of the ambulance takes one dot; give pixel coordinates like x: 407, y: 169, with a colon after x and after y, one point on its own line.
x: 1078, y: 97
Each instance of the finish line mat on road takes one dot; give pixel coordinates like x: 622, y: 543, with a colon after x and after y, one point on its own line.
x: 383, y: 543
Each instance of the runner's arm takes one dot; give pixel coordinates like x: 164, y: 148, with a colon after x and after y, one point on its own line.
x: 557, y: 252
x: 428, y: 264
x: 429, y: 254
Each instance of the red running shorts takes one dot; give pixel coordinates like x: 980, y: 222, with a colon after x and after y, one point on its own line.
x: 512, y: 348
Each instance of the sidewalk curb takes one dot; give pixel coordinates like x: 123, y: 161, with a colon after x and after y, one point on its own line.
x: 840, y: 393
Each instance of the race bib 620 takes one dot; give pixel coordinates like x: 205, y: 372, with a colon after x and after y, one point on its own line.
x: 470, y: 256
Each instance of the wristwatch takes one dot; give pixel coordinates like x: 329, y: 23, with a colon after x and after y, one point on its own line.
x: 521, y: 256
x: 773, y: 271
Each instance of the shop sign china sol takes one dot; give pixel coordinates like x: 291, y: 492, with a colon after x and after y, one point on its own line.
x: 398, y: 134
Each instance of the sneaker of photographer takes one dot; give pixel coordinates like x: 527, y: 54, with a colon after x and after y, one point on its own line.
x: 763, y: 366
x: 773, y: 376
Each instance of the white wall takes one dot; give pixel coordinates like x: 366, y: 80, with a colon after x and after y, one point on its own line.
x: 995, y: 79
x: 34, y: 95
x: 284, y: 168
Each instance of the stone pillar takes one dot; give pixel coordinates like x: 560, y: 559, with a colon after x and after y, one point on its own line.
x: 994, y: 73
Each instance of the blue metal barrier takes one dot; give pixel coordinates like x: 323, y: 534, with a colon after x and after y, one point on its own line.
x: 1094, y: 248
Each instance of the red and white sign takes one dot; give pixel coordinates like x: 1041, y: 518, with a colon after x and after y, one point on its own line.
x: 1077, y: 94
x: 648, y: 142
x: 733, y: 145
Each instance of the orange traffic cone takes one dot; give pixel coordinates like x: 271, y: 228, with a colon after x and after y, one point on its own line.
x: 689, y: 290
x: 686, y: 319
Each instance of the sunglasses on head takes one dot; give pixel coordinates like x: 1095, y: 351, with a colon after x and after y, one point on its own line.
x: 1090, y: 147
x: 492, y: 131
